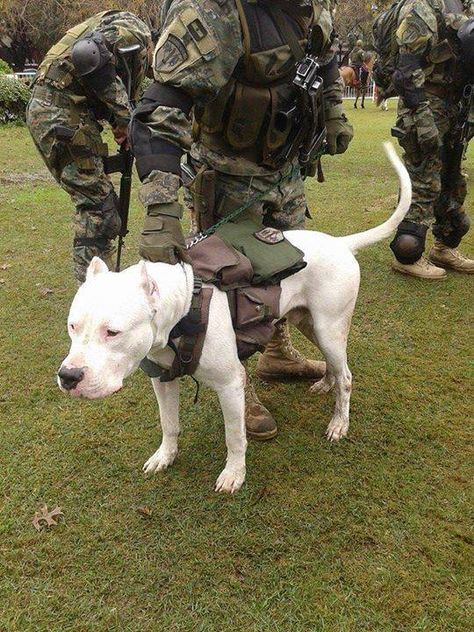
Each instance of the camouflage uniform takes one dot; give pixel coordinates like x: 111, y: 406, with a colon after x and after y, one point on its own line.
x: 430, y: 81
x: 63, y: 118
x: 200, y: 66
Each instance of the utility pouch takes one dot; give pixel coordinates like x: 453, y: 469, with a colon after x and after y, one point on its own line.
x: 203, y: 190
x: 217, y: 262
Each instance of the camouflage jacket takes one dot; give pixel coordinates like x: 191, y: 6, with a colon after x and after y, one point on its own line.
x: 109, y: 99
x: 427, y: 29
x: 203, y: 68
x: 357, y: 56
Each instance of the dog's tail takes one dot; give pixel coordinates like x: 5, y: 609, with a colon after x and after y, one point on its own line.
x: 372, y: 236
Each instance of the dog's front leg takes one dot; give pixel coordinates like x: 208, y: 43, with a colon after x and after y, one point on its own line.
x: 167, y: 395
x: 232, y: 400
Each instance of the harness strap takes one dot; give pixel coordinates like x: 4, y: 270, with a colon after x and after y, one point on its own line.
x: 287, y: 32
x: 191, y: 331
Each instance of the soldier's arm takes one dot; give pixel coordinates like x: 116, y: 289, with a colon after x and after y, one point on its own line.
x: 339, y: 130
x: 416, y: 31
x: 200, y: 45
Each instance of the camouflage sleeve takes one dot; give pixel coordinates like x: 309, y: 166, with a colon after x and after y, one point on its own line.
x: 200, y: 45
x: 334, y: 91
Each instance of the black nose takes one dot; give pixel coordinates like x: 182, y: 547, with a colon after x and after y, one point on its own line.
x: 70, y: 378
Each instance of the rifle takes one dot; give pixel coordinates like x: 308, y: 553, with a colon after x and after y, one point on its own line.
x: 123, y: 162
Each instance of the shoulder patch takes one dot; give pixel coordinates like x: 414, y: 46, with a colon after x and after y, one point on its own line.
x: 270, y: 236
x: 170, y: 55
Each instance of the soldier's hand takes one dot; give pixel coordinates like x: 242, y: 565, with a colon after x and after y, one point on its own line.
x: 339, y: 134
x: 162, y: 237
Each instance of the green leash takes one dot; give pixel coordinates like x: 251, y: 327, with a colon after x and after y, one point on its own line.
x: 244, y: 207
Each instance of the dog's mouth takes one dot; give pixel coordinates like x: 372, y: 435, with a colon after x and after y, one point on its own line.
x: 97, y: 393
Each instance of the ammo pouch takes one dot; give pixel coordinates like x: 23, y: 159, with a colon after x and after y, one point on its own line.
x: 203, y: 191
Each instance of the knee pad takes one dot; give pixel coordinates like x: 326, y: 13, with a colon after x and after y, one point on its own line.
x: 100, y: 223
x: 409, y: 243
x: 458, y: 224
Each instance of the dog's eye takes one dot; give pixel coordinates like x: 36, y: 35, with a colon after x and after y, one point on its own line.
x: 111, y: 333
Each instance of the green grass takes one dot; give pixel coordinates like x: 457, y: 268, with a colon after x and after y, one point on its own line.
x: 370, y: 534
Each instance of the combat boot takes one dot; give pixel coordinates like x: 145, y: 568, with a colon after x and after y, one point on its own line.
x: 281, y: 362
x: 446, y: 257
x: 421, y: 269
x: 258, y: 420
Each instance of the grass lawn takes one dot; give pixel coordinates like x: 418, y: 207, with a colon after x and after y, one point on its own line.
x: 371, y: 534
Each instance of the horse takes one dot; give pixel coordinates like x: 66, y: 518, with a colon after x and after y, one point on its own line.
x: 351, y: 80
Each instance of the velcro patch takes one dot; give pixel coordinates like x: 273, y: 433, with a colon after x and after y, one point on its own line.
x: 270, y: 236
x: 171, y: 55
x: 197, y: 30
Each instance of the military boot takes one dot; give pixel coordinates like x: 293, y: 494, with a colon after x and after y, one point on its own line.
x: 281, y: 362
x: 421, y: 269
x: 446, y: 257
x: 258, y: 420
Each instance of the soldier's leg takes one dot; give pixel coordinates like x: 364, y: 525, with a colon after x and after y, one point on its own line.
x: 424, y: 167
x: 452, y: 221
x: 286, y: 209
x: 96, y: 220
x: 68, y: 141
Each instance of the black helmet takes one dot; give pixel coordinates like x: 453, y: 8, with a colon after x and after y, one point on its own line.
x: 466, y: 37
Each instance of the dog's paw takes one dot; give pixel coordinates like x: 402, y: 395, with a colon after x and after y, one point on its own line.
x: 161, y: 460
x: 337, y: 429
x: 230, y: 481
x: 323, y: 386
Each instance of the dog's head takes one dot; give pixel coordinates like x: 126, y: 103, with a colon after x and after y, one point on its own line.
x: 111, y: 329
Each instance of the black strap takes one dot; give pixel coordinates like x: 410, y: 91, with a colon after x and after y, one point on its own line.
x: 287, y: 33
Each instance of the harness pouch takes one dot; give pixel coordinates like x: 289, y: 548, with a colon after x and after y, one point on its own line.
x: 254, y: 309
x: 218, y: 263
x: 272, y: 256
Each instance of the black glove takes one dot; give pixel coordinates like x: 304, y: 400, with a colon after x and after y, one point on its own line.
x: 162, y: 236
x: 404, y: 83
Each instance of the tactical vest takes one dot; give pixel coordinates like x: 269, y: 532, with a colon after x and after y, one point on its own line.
x: 250, y: 116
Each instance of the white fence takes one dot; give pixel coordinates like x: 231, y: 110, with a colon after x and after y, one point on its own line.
x: 351, y: 93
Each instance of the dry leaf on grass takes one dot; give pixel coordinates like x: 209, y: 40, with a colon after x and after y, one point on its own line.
x: 45, y: 291
x: 44, y: 518
x: 145, y: 511
x: 5, y: 266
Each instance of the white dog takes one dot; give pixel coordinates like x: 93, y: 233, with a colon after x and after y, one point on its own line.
x: 118, y: 319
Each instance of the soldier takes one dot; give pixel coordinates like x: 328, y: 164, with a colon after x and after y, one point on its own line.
x: 229, y: 66
x: 357, y: 55
x: 430, y: 78
x: 80, y: 82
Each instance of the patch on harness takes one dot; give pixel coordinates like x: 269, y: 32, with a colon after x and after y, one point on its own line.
x: 270, y: 236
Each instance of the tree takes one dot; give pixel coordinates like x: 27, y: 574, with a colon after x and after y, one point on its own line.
x: 28, y: 28
x: 354, y: 18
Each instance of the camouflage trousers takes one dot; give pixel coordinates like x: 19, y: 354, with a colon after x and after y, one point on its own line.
x: 77, y: 166
x: 282, y: 206
x: 439, y: 188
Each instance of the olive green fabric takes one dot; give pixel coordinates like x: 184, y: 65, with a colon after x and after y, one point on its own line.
x: 271, y: 262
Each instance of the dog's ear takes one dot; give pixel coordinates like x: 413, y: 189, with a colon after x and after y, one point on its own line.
x: 96, y: 266
x: 146, y: 282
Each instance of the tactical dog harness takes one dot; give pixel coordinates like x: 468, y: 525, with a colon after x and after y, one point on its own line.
x: 190, y: 333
